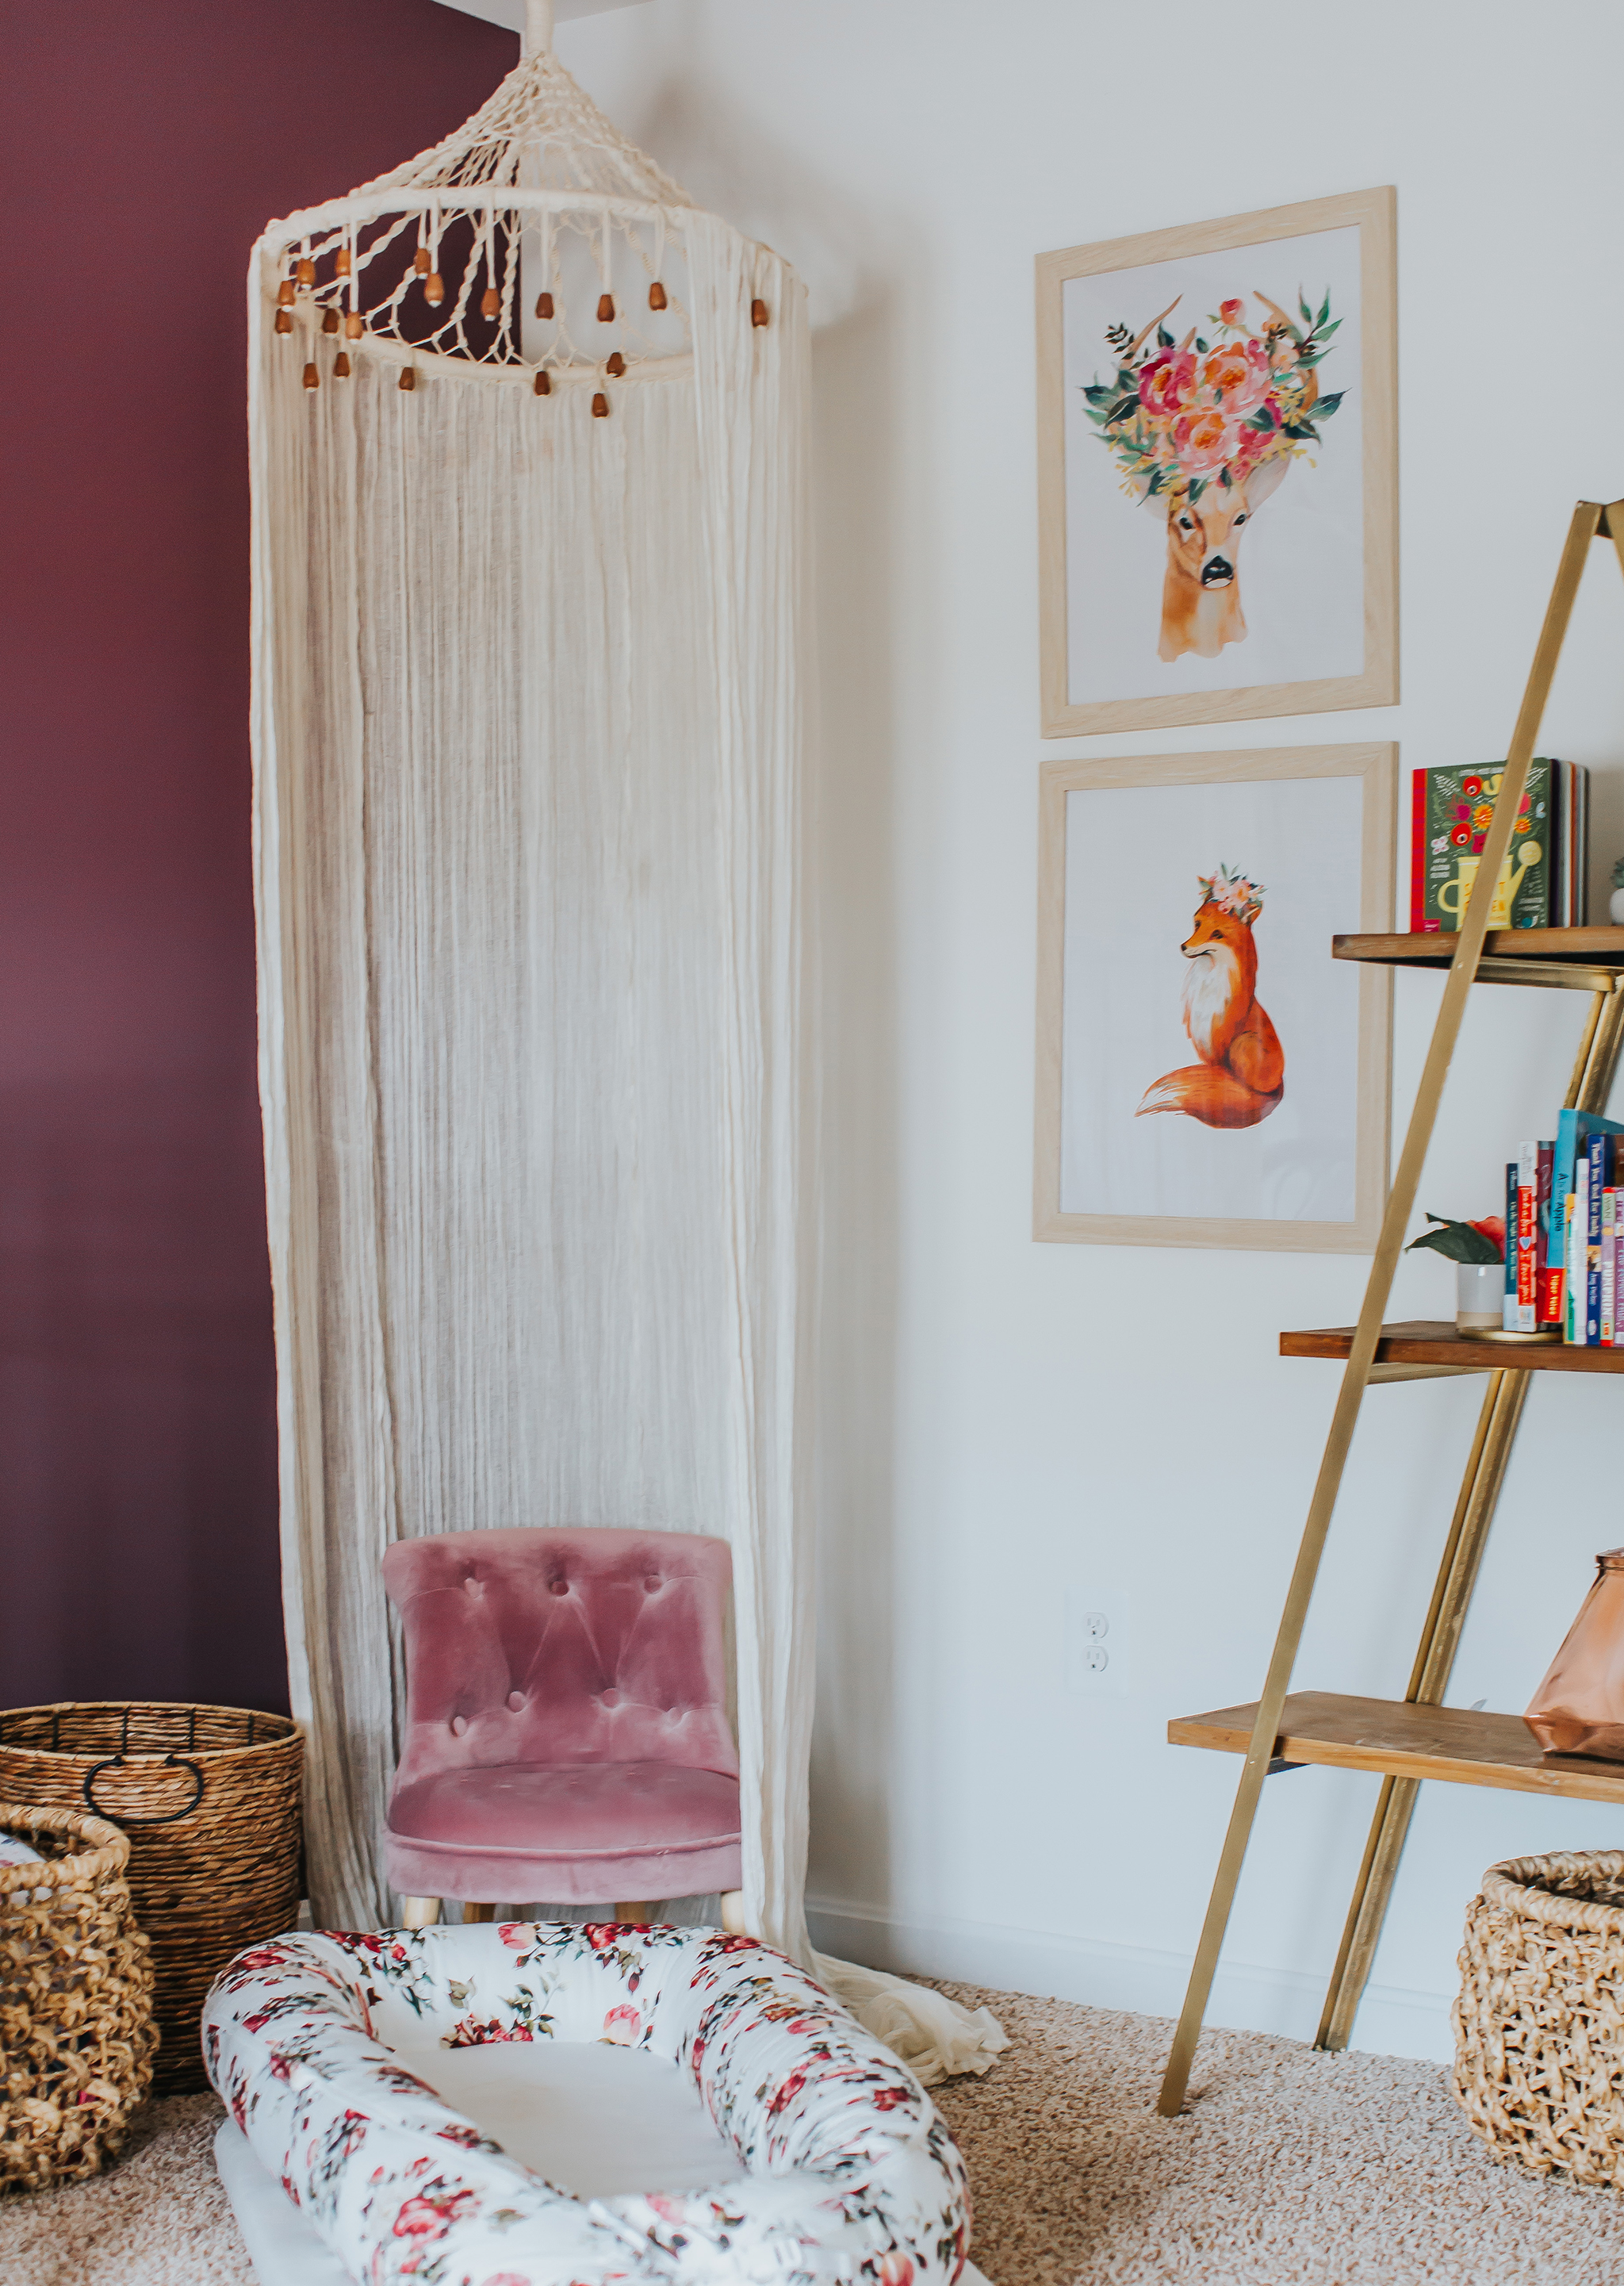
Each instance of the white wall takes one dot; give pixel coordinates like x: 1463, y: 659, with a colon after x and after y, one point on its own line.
x: 1006, y: 1418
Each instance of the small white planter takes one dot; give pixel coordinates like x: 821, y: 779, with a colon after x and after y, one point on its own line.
x: 1480, y: 1297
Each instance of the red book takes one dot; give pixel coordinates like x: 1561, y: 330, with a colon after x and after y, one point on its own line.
x: 1548, y: 1244
x: 1553, y: 1294
x: 1418, y: 852
x: 1528, y: 1233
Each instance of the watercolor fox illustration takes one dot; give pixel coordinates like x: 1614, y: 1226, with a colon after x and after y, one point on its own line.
x: 1241, y: 1077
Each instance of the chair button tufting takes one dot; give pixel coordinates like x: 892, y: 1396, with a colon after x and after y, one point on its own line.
x: 611, y: 1697
x: 515, y: 1700
x: 649, y: 1585
x: 559, y: 1586
x: 459, y: 1723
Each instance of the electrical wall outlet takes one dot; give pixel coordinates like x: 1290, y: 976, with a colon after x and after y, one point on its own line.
x: 1097, y: 1641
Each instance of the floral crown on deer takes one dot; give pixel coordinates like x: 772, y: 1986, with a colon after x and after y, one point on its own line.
x: 1231, y: 892
x: 1178, y: 417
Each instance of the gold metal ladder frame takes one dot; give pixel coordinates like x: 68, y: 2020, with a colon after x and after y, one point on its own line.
x: 1497, y: 1425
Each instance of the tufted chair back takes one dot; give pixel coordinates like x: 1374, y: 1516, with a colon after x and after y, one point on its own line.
x: 562, y: 1646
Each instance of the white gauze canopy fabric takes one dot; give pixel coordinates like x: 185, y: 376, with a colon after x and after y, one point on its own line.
x: 528, y: 644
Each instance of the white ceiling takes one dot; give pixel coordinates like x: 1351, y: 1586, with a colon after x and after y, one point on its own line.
x: 510, y: 14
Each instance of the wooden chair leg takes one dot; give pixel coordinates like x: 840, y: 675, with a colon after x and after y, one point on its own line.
x: 418, y: 1913
x: 471, y: 1912
x: 733, y: 1912
x: 636, y: 1915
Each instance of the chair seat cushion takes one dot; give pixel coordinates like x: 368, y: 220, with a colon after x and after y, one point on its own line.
x: 570, y: 1809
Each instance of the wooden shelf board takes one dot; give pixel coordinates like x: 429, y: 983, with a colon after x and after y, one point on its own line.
x: 1594, y: 948
x: 1434, y: 1341
x: 1452, y: 1742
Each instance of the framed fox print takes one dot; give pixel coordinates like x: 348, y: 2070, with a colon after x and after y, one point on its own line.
x: 1207, y: 1073
x: 1218, y: 494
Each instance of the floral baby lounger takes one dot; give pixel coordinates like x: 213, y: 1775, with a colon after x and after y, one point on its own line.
x: 848, y: 2174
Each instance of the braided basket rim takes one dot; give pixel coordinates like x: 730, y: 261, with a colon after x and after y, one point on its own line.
x: 1516, y: 1886
x: 286, y: 1729
x: 108, y: 1853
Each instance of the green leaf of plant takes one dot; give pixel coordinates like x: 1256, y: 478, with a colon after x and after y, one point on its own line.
x: 1225, y: 479
x: 1303, y: 306
x: 1328, y: 405
x: 1324, y: 309
x: 1301, y: 430
x: 1200, y: 346
x: 1122, y: 408
x: 1163, y: 339
x: 1457, y: 1241
x: 1262, y: 421
x: 1154, y: 484
x: 1198, y: 485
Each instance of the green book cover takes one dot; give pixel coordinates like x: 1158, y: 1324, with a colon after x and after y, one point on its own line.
x: 1453, y: 810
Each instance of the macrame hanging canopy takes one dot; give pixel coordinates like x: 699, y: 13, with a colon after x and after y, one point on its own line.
x: 527, y: 433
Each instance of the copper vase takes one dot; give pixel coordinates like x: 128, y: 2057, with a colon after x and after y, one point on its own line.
x: 1579, y: 1708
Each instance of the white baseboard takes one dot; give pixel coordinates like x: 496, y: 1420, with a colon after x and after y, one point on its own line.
x: 1245, y: 1997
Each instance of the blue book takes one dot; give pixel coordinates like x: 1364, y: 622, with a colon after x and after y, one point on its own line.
x: 1508, y: 1307
x: 1571, y: 1125
x: 1599, y: 1152
x: 1572, y: 1129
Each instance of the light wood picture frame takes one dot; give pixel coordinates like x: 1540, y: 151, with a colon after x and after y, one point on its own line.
x: 1220, y: 1081
x: 1187, y: 373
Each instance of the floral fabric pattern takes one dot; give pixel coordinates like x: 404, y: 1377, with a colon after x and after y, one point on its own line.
x: 852, y: 2177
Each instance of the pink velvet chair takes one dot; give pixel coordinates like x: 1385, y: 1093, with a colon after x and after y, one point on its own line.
x: 567, y: 1734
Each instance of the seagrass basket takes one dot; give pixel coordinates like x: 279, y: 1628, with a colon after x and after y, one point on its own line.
x: 209, y: 1798
x: 76, y: 2033
x: 1538, y: 2022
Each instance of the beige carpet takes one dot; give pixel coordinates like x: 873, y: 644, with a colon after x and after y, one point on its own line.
x: 1291, y: 2170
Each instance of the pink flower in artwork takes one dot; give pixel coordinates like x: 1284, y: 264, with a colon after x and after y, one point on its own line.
x: 1205, y: 440
x: 668, y: 2209
x: 1167, y: 384
x: 506, y: 2278
x: 517, y: 1934
x: 623, y: 2027
x: 1232, y: 311
x: 895, y: 2269
x: 1235, y: 377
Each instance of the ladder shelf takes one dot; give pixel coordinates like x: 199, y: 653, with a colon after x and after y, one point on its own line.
x: 1461, y: 1745
x: 1419, y: 1738
x: 1435, y: 1342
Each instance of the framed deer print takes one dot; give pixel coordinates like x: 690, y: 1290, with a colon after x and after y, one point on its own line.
x: 1207, y: 1073
x: 1218, y: 494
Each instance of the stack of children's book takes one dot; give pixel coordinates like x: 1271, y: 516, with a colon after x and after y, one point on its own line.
x: 1565, y: 1234
x: 1542, y: 882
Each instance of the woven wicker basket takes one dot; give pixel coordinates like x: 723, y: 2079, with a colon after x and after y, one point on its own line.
x: 209, y: 1797
x: 1539, y: 2024
x: 76, y: 2034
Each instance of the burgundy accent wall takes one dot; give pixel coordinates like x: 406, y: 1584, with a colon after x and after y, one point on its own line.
x: 147, y: 143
